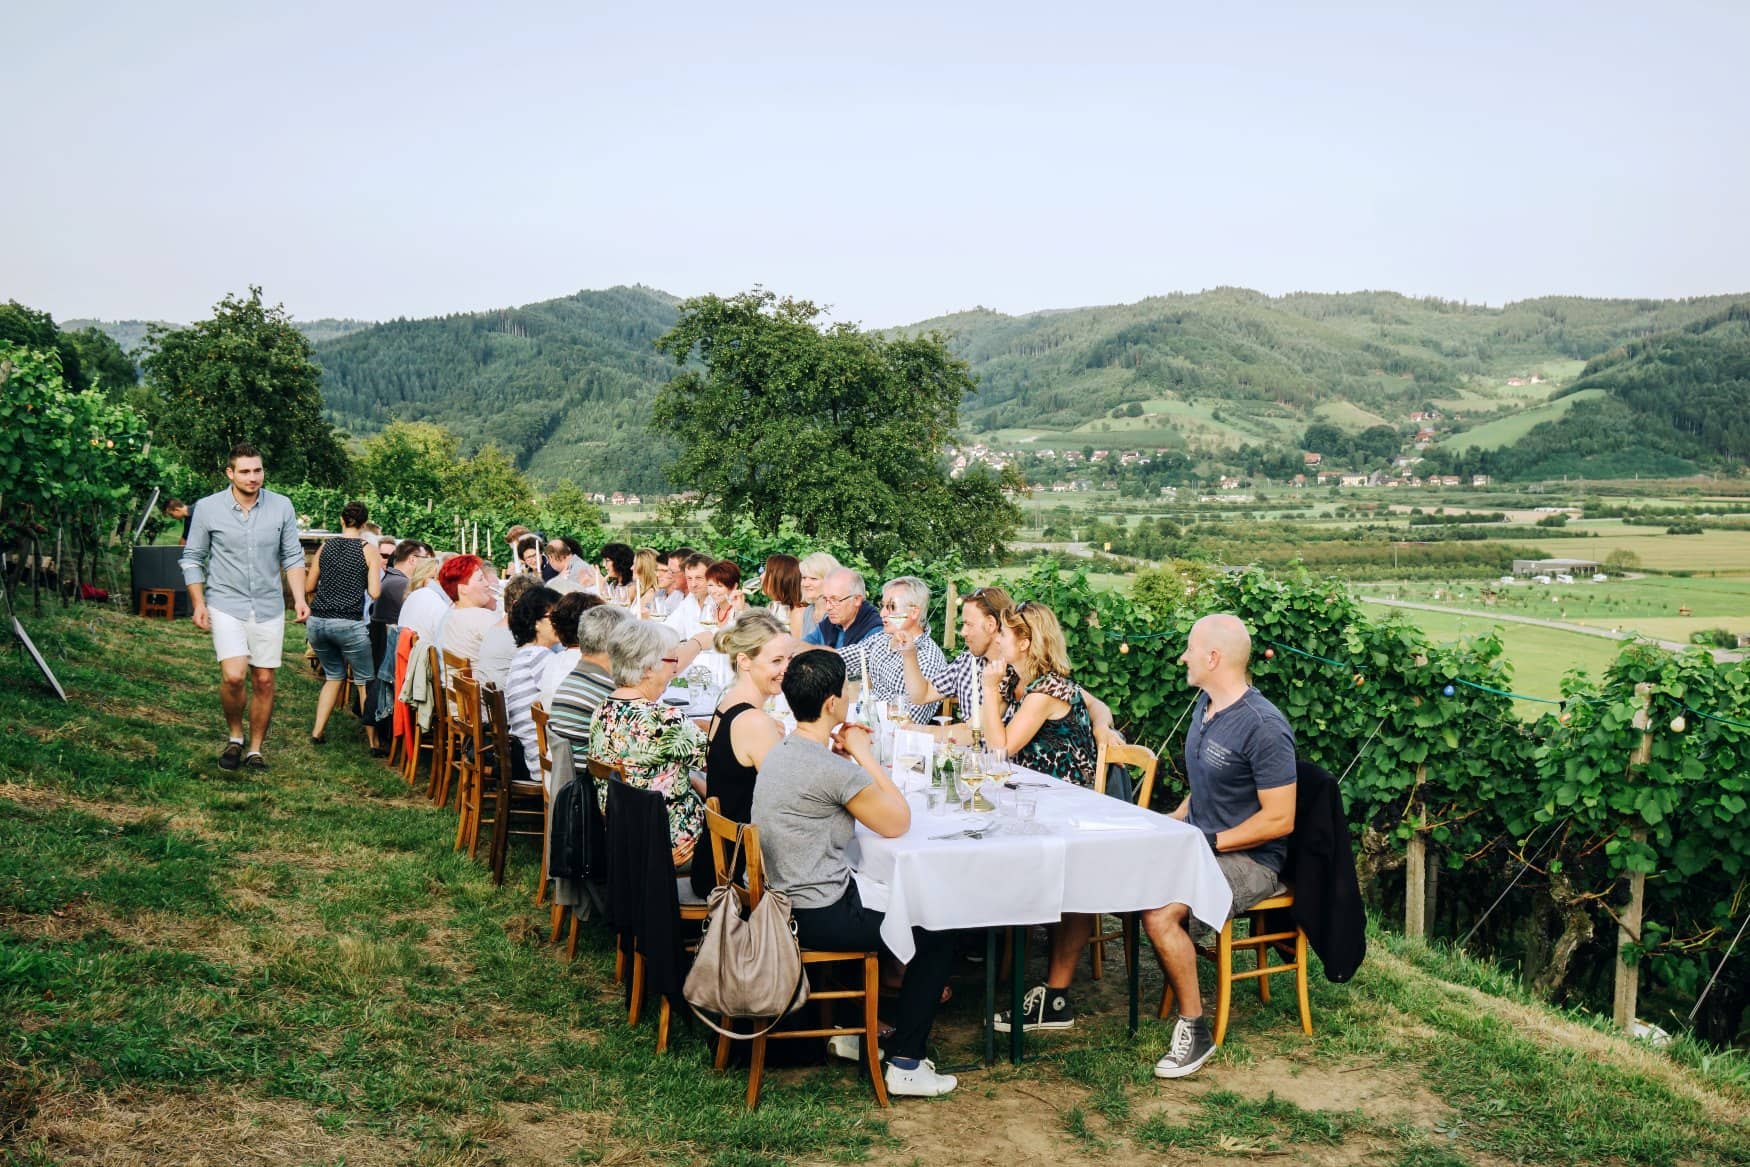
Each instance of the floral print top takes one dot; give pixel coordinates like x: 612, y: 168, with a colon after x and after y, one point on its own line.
x: 1062, y: 747
x: 657, y: 747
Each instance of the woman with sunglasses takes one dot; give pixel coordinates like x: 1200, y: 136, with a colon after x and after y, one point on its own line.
x: 1031, y: 708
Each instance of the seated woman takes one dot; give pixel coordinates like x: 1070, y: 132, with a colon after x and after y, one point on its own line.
x: 617, y: 585
x: 498, y: 647
x: 741, y: 731
x: 723, y: 602
x: 474, y: 609
x: 814, y: 787
x: 1030, y: 706
x: 557, y: 665
x: 656, y: 746
x: 815, y: 568
x: 1034, y: 711
x: 528, y: 558
x: 644, y: 582
x: 532, y: 629
x: 781, y: 581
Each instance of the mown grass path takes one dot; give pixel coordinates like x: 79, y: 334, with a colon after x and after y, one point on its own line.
x: 296, y: 968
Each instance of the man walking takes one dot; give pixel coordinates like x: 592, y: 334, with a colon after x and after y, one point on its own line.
x: 239, y: 543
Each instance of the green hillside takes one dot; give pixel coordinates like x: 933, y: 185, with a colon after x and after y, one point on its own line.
x: 129, y: 333
x: 1669, y: 404
x: 564, y: 385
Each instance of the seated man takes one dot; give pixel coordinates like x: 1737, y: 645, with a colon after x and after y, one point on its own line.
x: 1239, y: 755
x: 905, y: 610
x: 806, y: 801
x: 850, y: 619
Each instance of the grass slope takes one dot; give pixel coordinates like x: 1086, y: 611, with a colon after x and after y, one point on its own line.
x: 296, y: 968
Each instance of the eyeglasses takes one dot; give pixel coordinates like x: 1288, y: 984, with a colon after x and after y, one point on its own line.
x: 895, y: 609
x: 839, y: 599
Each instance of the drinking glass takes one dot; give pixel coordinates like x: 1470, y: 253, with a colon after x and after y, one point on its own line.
x: 1026, y: 805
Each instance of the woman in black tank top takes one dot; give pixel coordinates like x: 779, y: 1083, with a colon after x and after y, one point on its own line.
x: 741, y: 731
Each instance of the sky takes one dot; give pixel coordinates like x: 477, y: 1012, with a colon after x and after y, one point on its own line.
x: 895, y: 161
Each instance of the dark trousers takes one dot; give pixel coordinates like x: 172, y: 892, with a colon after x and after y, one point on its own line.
x: 850, y: 927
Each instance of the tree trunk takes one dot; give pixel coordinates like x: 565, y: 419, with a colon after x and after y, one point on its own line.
x: 1577, y: 928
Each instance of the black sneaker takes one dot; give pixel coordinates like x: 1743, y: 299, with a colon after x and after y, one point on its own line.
x: 1192, y: 1046
x: 1041, y: 1008
x: 231, y: 756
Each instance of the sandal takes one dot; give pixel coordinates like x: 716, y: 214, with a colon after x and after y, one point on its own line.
x: 318, y: 739
x: 255, y: 762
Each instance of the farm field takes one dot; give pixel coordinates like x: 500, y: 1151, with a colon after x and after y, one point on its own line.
x: 1539, y: 655
x: 1492, y: 435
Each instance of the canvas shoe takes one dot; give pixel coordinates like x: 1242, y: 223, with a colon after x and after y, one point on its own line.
x: 1042, y: 1008
x: 921, y: 1082
x: 849, y: 1046
x: 231, y: 756
x: 1191, y: 1047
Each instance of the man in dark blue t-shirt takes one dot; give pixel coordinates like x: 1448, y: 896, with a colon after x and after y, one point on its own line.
x: 1239, y: 755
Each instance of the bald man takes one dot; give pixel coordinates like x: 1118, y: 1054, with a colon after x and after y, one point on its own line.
x: 1239, y: 756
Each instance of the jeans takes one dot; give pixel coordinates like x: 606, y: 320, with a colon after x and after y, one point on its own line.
x: 340, y: 643
x: 850, y: 927
x: 382, y: 695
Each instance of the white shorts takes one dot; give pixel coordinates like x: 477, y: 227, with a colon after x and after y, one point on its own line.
x: 259, y: 640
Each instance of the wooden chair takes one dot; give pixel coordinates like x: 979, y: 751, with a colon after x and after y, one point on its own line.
x: 1143, y: 760
x: 599, y: 772
x: 723, y: 833
x: 471, y: 759
x: 512, y: 805
x: 1262, y: 943
x: 447, y: 744
x: 538, y: 715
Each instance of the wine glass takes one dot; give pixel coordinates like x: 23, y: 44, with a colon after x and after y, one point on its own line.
x: 971, y: 778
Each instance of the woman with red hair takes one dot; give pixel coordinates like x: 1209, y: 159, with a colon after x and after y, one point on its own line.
x: 464, y: 580
x: 724, y: 602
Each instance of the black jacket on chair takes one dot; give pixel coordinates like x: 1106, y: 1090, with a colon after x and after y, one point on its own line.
x: 1321, y: 869
x: 644, y: 907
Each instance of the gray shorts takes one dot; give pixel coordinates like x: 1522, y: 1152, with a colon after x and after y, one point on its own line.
x: 1250, y: 880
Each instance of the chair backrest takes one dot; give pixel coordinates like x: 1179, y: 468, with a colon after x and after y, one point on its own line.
x: 467, y: 711
x: 1139, y: 758
x: 538, y: 715
x: 722, y: 831
x: 497, y: 733
x: 455, y: 664
x: 605, y: 771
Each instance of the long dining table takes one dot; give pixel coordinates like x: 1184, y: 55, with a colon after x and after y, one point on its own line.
x: 1082, y: 852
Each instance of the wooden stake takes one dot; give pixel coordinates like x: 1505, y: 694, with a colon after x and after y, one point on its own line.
x: 1628, y: 930
x: 1416, y: 869
x: 950, y: 611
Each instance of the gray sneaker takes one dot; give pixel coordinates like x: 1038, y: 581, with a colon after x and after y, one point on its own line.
x: 1191, y: 1047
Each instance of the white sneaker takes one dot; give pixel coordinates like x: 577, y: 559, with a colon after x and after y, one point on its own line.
x: 922, y: 1082
x: 849, y: 1046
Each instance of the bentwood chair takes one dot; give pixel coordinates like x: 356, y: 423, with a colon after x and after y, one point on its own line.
x: 723, y: 833
x: 1143, y: 762
x: 538, y: 715
x: 1261, y: 942
x: 447, y: 751
x: 471, y: 759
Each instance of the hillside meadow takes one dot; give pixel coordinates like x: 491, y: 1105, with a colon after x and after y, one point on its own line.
x: 295, y: 968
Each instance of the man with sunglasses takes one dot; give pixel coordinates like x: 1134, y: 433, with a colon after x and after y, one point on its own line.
x: 905, y: 607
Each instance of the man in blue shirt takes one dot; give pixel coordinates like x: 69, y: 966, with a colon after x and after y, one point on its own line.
x: 1239, y: 756
x: 850, y: 618
x: 239, y: 543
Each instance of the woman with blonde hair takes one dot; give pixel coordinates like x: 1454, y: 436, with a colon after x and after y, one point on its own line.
x: 1031, y: 708
x: 814, y: 570
x: 759, y: 648
x: 644, y: 586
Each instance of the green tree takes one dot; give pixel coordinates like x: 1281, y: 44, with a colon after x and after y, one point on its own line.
x: 410, y: 459
x: 244, y: 375
x: 30, y: 329
x: 104, y: 364
x: 835, y: 429
x: 490, y: 481
x: 570, y: 508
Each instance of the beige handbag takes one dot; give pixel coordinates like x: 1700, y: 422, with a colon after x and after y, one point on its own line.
x: 749, y: 963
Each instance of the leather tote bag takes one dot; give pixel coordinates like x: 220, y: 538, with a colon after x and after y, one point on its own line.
x: 749, y: 962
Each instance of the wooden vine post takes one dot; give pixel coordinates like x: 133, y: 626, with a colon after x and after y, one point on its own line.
x: 950, y: 610
x: 1416, y: 865
x: 1628, y: 925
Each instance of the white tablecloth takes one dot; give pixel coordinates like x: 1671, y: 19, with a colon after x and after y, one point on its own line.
x: 1094, y: 854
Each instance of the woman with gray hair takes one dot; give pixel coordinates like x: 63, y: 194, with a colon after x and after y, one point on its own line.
x: 655, y: 745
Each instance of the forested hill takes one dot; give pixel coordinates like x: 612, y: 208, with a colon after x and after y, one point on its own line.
x: 1672, y: 403
x: 1277, y: 358
x: 564, y: 385
x: 129, y: 333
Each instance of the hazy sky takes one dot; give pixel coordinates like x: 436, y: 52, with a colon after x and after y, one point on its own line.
x: 894, y: 160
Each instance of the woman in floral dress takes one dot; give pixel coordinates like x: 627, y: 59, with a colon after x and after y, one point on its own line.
x: 655, y: 745
x: 1031, y: 707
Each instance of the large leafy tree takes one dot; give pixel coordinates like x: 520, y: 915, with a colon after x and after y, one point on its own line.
x: 105, y: 365
x: 244, y: 375
x: 833, y: 429
x: 412, y: 459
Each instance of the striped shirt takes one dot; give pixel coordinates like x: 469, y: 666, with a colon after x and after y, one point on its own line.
x: 575, y: 703
x: 521, y: 689
x: 887, y: 672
